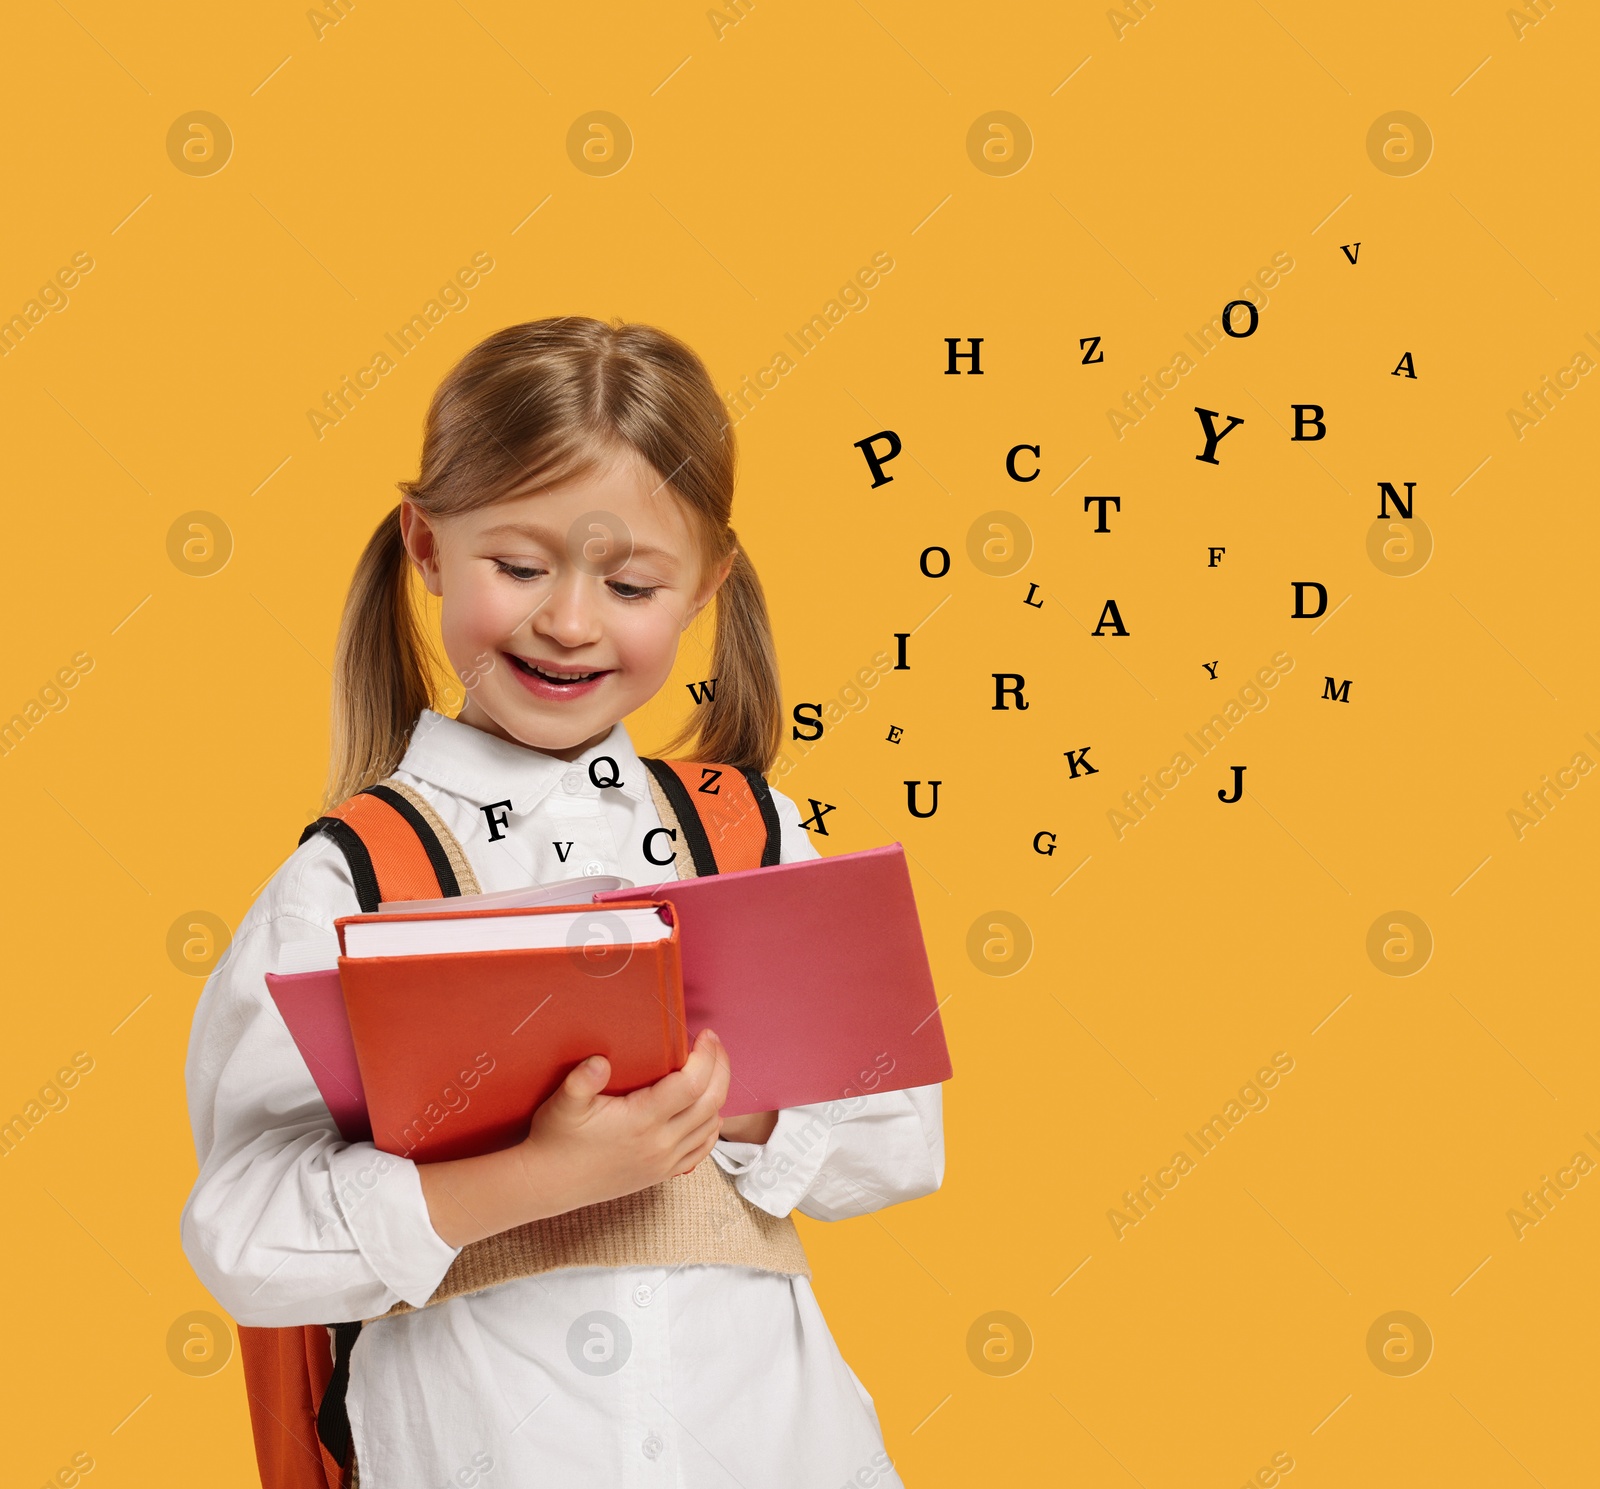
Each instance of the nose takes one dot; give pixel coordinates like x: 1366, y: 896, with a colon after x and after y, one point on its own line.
x: 571, y: 616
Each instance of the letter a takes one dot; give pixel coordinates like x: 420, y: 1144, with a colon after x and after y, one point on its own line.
x: 1110, y: 616
x: 1406, y: 368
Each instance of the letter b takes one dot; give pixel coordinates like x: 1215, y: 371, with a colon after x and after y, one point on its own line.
x: 1305, y: 416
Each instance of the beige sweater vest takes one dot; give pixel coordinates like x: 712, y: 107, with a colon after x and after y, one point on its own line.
x: 698, y: 1218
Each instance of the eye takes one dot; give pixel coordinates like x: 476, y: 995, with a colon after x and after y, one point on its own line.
x: 517, y: 572
x: 632, y: 591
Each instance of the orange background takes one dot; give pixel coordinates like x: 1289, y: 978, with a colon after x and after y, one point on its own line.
x: 1143, y: 173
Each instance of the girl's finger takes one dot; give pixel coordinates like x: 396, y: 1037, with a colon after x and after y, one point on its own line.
x: 702, y: 1136
x: 707, y: 1105
x: 679, y: 1089
x: 697, y: 1154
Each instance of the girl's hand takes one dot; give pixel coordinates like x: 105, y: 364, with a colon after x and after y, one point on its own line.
x: 754, y: 1127
x: 584, y: 1147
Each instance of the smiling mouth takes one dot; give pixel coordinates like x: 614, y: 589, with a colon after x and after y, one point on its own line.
x: 560, y: 679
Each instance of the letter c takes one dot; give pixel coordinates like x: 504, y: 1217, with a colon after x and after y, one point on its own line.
x: 1011, y: 462
x: 670, y: 832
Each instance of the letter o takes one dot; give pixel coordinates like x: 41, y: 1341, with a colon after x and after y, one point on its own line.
x: 923, y: 562
x: 1227, y: 318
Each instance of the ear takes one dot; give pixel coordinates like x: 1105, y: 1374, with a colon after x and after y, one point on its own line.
x: 422, y: 545
x: 714, y: 582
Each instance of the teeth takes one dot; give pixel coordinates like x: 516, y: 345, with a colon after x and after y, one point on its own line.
x: 544, y: 672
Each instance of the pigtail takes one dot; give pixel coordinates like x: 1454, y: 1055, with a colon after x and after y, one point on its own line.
x: 380, y: 677
x: 741, y: 723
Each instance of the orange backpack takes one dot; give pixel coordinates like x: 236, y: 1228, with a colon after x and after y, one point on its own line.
x: 296, y: 1376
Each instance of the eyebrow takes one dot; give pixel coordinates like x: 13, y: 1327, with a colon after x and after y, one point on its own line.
x: 544, y: 535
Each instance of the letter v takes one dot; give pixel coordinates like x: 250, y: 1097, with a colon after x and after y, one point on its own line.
x: 1345, y: 249
x: 558, y: 847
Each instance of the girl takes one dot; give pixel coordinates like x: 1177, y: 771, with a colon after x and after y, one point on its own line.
x: 572, y: 518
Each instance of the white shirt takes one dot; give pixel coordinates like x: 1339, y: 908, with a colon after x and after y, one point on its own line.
x: 604, y: 1377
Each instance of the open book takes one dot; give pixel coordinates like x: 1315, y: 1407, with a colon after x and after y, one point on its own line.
x: 813, y: 974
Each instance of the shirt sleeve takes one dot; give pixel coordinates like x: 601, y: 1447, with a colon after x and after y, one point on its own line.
x: 287, y: 1223
x: 840, y: 1158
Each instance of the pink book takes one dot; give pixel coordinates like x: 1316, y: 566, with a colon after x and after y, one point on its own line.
x: 813, y: 974
x: 312, y: 1005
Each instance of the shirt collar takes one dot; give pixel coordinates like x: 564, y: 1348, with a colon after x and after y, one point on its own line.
x: 484, y: 768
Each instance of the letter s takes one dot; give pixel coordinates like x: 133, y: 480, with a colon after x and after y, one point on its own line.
x: 83, y: 1061
x: 813, y: 723
x: 1283, y: 1061
x: 86, y: 664
x: 483, y: 261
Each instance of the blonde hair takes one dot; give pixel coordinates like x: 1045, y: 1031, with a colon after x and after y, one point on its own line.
x: 530, y: 407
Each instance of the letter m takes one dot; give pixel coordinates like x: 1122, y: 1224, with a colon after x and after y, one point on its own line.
x: 1340, y: 695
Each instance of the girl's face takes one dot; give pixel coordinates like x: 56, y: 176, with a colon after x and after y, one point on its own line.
x: 561, y: 610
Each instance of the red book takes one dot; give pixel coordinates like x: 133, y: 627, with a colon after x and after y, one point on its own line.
x: 457, y: 1048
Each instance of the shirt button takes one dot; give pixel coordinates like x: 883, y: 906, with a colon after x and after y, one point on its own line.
x: 642, y: 1295
x: 592, y: 868
x: 652, y: 1447
x: 572, y: 783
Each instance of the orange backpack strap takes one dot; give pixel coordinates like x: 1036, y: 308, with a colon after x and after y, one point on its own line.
x: 725, y: 811
x: 397, y: 849
x: 393, y: 850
